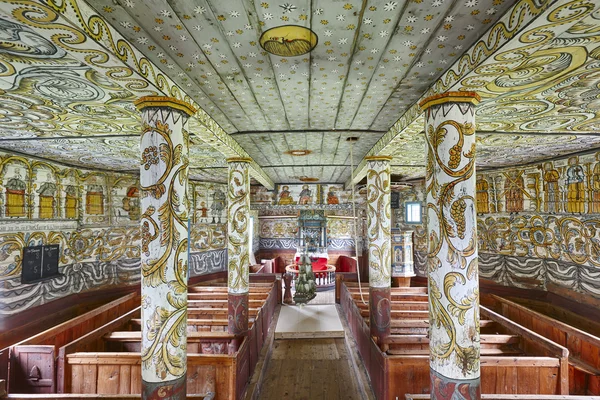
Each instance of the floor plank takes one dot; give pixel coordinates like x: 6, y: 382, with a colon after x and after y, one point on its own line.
x: 312, y: 369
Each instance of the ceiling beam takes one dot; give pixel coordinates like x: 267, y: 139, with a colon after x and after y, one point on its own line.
x: 337, y: 131
x: 90, y: 137
x: 504, y: 34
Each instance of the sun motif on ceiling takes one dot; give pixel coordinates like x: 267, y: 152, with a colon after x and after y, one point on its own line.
x: 288, y: 40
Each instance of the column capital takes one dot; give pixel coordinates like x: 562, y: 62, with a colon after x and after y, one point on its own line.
x: 450, y: 97
x: 239, y: 159
x: 378, y: 158
x: 164, y: 101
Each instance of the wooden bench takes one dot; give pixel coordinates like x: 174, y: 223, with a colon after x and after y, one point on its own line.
x: 511, y: 397
x: 584, y: 348
x: 45, y: 345
x: 516, y: 360
x: 85, y: 333
x: 421, y: 326
x: 64, y: 396
x: 407, y: 305
x: 112, y: 373
x: 114, y: 351
x: 197, y: 342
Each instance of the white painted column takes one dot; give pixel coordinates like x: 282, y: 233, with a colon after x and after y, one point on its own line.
x: 380, y: 252
x: 164, y: 256
x: 452, y: 258
x: 238, y: 246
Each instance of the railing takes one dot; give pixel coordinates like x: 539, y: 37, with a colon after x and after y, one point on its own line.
x: 324, y: 279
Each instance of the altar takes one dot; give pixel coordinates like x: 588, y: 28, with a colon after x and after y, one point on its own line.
x: 312, y: 238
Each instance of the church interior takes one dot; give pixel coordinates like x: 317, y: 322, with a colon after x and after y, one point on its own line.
x: 300, y: 199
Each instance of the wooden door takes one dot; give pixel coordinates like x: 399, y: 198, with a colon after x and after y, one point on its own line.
x: 32, y: 369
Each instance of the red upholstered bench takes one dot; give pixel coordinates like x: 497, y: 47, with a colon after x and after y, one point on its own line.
x: 319, y: 264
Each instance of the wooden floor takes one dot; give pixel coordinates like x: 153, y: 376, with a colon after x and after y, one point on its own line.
x: 310, y: 369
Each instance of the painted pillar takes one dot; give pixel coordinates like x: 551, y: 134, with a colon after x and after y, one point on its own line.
x: 164, y: 253
x: 379, y: 239
x: 452, y: 255
x: 238, y: 247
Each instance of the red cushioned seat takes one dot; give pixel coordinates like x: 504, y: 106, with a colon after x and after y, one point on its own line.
x: 318, y: 265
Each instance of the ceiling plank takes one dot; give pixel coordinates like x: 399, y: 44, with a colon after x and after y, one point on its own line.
x: 531, y: 15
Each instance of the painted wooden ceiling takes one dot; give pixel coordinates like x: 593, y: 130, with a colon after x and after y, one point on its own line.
x: 76, y: 72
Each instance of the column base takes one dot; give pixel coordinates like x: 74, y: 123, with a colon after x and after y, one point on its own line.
x: 380, y: 314
x: 175, y: 389
x: 444, y: 388
x: 237, y: 305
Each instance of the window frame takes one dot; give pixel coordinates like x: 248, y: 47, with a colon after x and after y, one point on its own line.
x: 408, y: 205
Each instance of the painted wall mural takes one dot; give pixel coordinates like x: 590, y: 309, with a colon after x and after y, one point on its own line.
x: 95, y: 220
x: 540, y: 221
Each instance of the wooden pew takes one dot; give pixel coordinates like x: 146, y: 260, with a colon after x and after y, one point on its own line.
x: 45, y: 345
x: 408, y: 305
x: 541, y: 368
x: 421, y: 326
x: 95, y: 396
x: 90, y: 373
x: 224, y: 374
x: 584, y: 348
x: 197, y: 342
x: 511, y: 397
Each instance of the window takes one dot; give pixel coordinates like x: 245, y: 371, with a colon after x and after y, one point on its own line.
x: 412, y: 212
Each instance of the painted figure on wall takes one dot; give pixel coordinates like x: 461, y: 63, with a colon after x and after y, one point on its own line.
x: 514, y: 188
x: 305, y: 195
x: 595, y: 188
x: 15, y: 196
x: 218, y: 205
x: 551, y: 189
x: 131, y: 203
x: 261, y: 195
x: 332, y: 197
x: 203, y: 211
x: 94, y: 200
x: 47, y: 202
x: 483, y: 203
x: 71, y: 202
x: 285, y: 198
x: 575, y: 187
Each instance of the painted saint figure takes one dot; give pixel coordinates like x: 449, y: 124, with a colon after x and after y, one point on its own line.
x: 551, y: 190
x: 15, y: 196
x: 131, y: 203
x: 203, y: 211
x: 94, y: 200
x: 595, y: 188
x: 71, y: 202
x: 285, y: 197
x: 305, y: 195
x: 218, y: 205
x: 514, y: 192
x: 46, y: 193
x: 575, y: 187
x: 332, y: 197
x: 483, y: 204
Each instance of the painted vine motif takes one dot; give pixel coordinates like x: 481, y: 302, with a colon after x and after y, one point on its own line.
x: 164, y: 227
x: 379, y: 221
x: 452, y: 254
x: 238, y: 209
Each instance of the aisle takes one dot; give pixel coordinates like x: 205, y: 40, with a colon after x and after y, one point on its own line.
x: 310, y: 369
